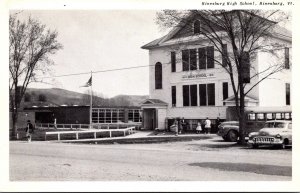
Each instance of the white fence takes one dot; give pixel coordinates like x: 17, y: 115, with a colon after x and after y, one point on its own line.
x: 86, y: 126
x: 129, y: 130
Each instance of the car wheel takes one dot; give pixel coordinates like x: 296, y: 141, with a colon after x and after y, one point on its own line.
x: 284, y: 144
x: 224, y: 137
x: 254, y: 146
x: 232, y: 136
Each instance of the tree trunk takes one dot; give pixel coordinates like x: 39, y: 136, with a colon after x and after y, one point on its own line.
x: 14, y: 117
x: 242, y: 114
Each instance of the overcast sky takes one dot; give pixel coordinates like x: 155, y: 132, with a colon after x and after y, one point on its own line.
x: 100, y: 40
x: 97, y: 40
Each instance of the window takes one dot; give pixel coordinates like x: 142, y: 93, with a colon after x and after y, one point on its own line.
x: 186, y: 95
x: 211, y: 94
x: 158, y: 75
x: 196, y: 27
x: 251, y: 116
x: 193, y: 95
x: 189, y: 93
x: 287, y: 94
x: 173, y: 61
x: 134, y: 115
x: 202, y: 94
x: 260, y: 116
x: 225, y: 91
x: 286, y: 58
x: 206, y: 57
x: 189, y: 60
x: 207, y: 94
x: 224, y: 54
x: 173, y: 96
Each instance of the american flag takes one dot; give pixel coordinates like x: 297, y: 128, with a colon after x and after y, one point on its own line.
x: 89, y: 83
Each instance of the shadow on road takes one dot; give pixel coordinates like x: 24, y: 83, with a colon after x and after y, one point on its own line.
x: 247, y: 167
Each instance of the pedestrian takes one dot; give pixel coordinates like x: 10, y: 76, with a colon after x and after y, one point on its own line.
x: 207, y: 126
x: 218, y: 122
x: 199, y: 127
x: 29, y: 130
x: 55, y: 125
x: 180, y: 125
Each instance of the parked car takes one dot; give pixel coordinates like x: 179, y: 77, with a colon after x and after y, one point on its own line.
x: 274, y: 132
x: 229, y: 130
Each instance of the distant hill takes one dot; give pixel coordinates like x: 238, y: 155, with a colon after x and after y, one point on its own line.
x: 57, y: 97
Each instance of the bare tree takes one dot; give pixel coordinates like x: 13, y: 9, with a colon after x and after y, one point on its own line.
x: 30, y: 45
x: 247, y: 32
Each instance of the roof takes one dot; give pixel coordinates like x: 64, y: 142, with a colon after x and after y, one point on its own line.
x: 281, y: 109
x: 279, y: 32
x: 154, y: 102
x: 247, y: 99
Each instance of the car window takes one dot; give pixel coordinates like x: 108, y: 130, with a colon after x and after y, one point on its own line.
x: 274, y: 125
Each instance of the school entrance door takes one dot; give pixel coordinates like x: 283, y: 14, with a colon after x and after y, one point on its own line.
x: 154, y: 114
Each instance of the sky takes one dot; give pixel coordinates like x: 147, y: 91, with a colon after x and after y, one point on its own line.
x: 95, y: 40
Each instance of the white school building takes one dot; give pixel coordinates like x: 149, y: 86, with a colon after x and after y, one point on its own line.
x: 185, y: 82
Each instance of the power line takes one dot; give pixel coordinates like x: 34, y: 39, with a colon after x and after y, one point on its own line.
x: 94, y: 72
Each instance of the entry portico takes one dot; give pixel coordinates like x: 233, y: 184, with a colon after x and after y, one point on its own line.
x: 154, y: 114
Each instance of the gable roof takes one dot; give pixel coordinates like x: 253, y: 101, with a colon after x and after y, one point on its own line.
x: 279, y: 32
x: 154, y: 102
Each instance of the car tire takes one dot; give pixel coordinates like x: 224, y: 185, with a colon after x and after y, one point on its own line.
x: 232, y: 136
x: 255, y: 146
x: 284, y: 144
x: 224, y: 137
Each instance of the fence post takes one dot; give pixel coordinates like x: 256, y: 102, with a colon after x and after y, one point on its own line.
x: 71, y: 126
x: 109, y: 133
x: 77, y: 136
x: 58, y: 136
x: 124, y: 132
x: 95, y: 135
x: 48, y: 125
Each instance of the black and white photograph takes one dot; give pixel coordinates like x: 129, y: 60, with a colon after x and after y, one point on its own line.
x: 141, y: 97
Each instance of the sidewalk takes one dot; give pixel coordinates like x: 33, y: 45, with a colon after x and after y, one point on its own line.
x: 143, y: 137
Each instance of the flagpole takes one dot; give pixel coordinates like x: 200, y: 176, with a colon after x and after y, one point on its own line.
x: 91, y: 102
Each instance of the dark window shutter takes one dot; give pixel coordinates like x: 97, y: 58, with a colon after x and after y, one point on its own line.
x: 193, y: 94
x: 210, y: 57
x: 211, y: 94
x: 193, y: 59
x: 186, y: 95
x: 224, y: 54
x: 245, y: 67
x: 158, y: 76
x: 225, y: 91
x: 202, y: 94
x: 287, y: 94
x: 202, y: 58
x: 173, y: 61
x: 185, y: 60
x: 174, y: 96
x: 286, y: 58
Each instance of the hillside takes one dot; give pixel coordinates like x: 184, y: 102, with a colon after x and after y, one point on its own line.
x: 57, y: 96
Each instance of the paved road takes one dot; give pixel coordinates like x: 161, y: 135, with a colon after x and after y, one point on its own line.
x: 178, y: 161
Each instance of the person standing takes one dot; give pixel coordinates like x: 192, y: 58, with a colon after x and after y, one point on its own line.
x: 207, y: 126
x: 218, y: 122
x: 199, y: 128
x: 29, y: 130
x: 55, y: 124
